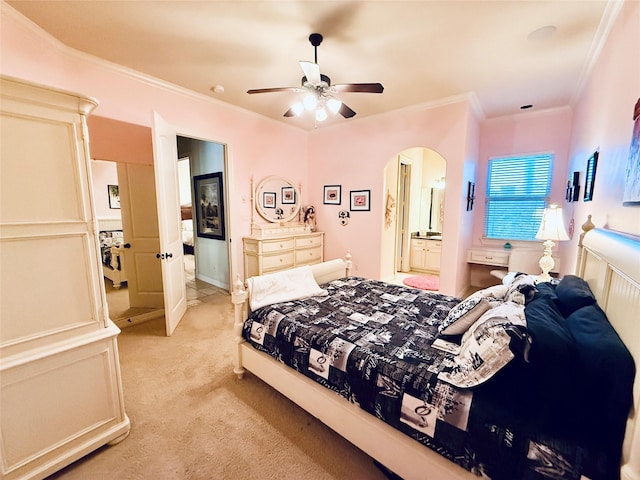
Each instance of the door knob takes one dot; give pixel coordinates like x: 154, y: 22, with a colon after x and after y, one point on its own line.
x: 127, y: 245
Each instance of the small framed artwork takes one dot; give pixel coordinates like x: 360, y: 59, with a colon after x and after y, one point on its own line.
x: 114, y: 196
x: 471, y: 195
x: 269, y: 199
x: 332, y: 195
x: 576, y: 186
x: 631, y: 196
x: 210, y: 205
x: 360, y: 200
x: 590, y: 177
x: 288, y: 195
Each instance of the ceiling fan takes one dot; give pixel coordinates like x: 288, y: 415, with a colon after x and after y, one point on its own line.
x: 321, y: 94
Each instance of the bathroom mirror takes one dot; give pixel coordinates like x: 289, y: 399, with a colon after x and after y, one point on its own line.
x: 277, y: 199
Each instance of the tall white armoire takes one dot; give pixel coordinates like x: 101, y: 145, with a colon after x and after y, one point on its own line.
x: 60, y: 385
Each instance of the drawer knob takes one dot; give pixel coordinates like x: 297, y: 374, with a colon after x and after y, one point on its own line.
x: 488, y: 258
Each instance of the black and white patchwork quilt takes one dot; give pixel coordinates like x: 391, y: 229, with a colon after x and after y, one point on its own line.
x: 373, y: 343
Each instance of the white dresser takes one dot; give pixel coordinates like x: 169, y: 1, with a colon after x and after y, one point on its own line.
x: 60, y: 383
x: 279, y: 248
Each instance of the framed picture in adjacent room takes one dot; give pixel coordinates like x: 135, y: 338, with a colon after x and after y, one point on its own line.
x: 360, y: 200
x: 332, y: 195
x: 114, y: 196
x: 209, y: 205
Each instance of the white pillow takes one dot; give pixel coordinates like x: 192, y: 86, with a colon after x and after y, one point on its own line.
x: 283, y: 286
x: 485, y: 347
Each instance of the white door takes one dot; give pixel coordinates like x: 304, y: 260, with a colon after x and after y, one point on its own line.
x: 402, y: 234
x: 165, y: 157
x: 142, y: 242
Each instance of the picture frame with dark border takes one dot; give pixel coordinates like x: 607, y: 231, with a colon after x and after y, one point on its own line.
x: 590, y: 176
x: 268, y: 199
x: 288, y: 195
x: 209, y: 193
x: 114, y: 196
x: 360, y: 200
x: 332, y: 195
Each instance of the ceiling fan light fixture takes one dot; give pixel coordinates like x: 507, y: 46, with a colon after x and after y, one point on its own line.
x: 310, y: 102
x: 333, y: 104
x: 297, y: 108
x: 321, y: 114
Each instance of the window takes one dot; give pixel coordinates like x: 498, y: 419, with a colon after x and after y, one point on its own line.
x: 517, y: 193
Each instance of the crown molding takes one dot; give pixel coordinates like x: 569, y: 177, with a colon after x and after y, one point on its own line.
x: 609, y: 17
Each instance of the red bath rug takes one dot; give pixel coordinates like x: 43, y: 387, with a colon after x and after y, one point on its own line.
x: 426, y: 282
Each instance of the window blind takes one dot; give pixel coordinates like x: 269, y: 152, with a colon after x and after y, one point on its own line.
x: 517, y: 194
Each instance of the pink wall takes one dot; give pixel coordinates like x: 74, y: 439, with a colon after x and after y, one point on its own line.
x: 30, y: 54
x: 536, y: 132
x: 355, y: 154
x: 603, y: 121
x: 119, y: 141
x: 103, y: 174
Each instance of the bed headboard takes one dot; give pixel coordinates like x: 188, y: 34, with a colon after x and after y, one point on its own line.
x: 107, y: 224
x: 610, y: 262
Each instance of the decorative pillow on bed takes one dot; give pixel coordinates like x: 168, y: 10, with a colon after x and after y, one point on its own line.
x: 282, y: 286
x: 485, y: 347
x: 573, y: 293
x: 465, y: 314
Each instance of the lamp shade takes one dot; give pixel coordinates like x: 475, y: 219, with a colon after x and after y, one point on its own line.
x: 552, y: 225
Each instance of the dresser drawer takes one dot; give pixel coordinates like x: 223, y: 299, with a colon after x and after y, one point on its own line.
x: 276, y: 262
x: 271, y: 246
x: 305, y: 242
x: 308, y: 255
x: 489, y: 257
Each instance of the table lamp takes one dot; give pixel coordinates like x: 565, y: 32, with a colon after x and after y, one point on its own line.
x: 551, y: 229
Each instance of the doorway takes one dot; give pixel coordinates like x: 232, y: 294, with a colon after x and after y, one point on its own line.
x: 417, y: 177
x: 206, y: 254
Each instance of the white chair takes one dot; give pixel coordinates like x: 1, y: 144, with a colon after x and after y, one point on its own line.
x: 523, y: 260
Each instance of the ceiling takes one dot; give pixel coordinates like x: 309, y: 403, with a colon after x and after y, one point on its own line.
x: 421, y: 51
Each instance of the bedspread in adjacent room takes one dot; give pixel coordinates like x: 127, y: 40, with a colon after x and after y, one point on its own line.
x: 373, y: 343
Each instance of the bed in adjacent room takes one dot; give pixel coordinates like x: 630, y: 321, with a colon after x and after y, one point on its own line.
x: 111, y: 240
x: 519, y: 381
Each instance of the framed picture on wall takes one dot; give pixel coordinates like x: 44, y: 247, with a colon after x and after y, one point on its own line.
x: 360, y: 200
x: 332, y: 195
x: 114, y: 196
x: 590, y: 177
x: 209, y: 205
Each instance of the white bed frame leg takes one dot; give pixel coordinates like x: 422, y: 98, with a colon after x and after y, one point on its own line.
x: 239, y: 300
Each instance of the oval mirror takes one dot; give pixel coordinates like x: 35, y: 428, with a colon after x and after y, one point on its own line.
x: 277, y: 199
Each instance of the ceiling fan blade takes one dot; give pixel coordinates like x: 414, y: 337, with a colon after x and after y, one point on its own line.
x: 346, y: 112
x: 311, y: 71
x: 277, y: 89
x: 359, y: 87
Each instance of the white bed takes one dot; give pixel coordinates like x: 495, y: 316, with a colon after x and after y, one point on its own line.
x: 608, y: 261
x: 111, y: 240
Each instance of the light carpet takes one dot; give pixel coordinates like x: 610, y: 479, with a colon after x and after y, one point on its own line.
x: 193, y: 419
